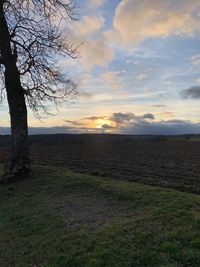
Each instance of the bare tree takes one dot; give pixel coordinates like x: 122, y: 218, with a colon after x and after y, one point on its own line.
x: 31, y: 42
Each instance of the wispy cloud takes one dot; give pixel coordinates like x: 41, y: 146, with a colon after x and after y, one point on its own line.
x: 96, y: 3
x: 141, y: 76
x: 196, y: 59
x: 113, y: 79
x: 159, y: 106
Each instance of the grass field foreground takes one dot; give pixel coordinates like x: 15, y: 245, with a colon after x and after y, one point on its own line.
x: 57, y: 218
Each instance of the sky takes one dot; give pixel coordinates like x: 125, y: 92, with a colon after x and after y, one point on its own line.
x: 138, y: 70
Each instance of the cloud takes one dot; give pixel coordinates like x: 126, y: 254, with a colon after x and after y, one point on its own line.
x: 112, y: 123
x: 96, y: 3
x: 93, y: 122
x: 153, y: 18
x: 148, y: 116
x: 88, y: 25
x: 107, y: 127
x: 120, y: 123
x: 74, y: 123
x: 110, y: 75
x: 166, y: 114
x: 85, y: 95
x: 141, y: 76
x: 172, y: 127
x: 129, y: 123
x: 175, y: 121
x: 86, y: 79
x: 121, y: 118
x: 196, y: 59
x: 191, y: 93
x: 159, y: 106
x: 94, y: 118
x: 95, y: 53
x: 92, y: 45
x: 113, y: 79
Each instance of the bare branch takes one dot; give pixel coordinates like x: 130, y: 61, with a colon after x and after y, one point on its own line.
x: 37, y: 43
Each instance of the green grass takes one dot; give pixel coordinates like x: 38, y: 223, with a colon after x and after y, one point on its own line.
x: 57, y: 218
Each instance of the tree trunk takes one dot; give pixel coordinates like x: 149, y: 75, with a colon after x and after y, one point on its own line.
x: 19, y: 163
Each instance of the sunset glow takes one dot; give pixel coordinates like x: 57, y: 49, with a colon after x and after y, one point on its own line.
x: 100, y: 122
x: 136, y: 57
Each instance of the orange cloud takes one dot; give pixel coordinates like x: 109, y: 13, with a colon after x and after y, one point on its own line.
x: 92, y: 45
x: 153, y: 18
x: 113, y: 78
x: 88, y: 25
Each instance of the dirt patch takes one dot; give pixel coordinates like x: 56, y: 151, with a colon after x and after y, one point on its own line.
x: 89, y: 210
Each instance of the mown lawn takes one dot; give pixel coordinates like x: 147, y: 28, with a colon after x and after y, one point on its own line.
x: 57, y: 218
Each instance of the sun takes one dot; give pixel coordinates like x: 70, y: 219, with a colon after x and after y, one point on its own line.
x: 100, y: 122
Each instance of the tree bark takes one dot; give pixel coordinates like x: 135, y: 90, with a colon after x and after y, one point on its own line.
x: 19, y: 163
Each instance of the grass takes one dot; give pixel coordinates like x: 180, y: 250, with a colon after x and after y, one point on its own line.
x: 57, y: 218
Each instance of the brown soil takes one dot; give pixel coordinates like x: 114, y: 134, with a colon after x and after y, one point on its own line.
x: 172, y: 162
